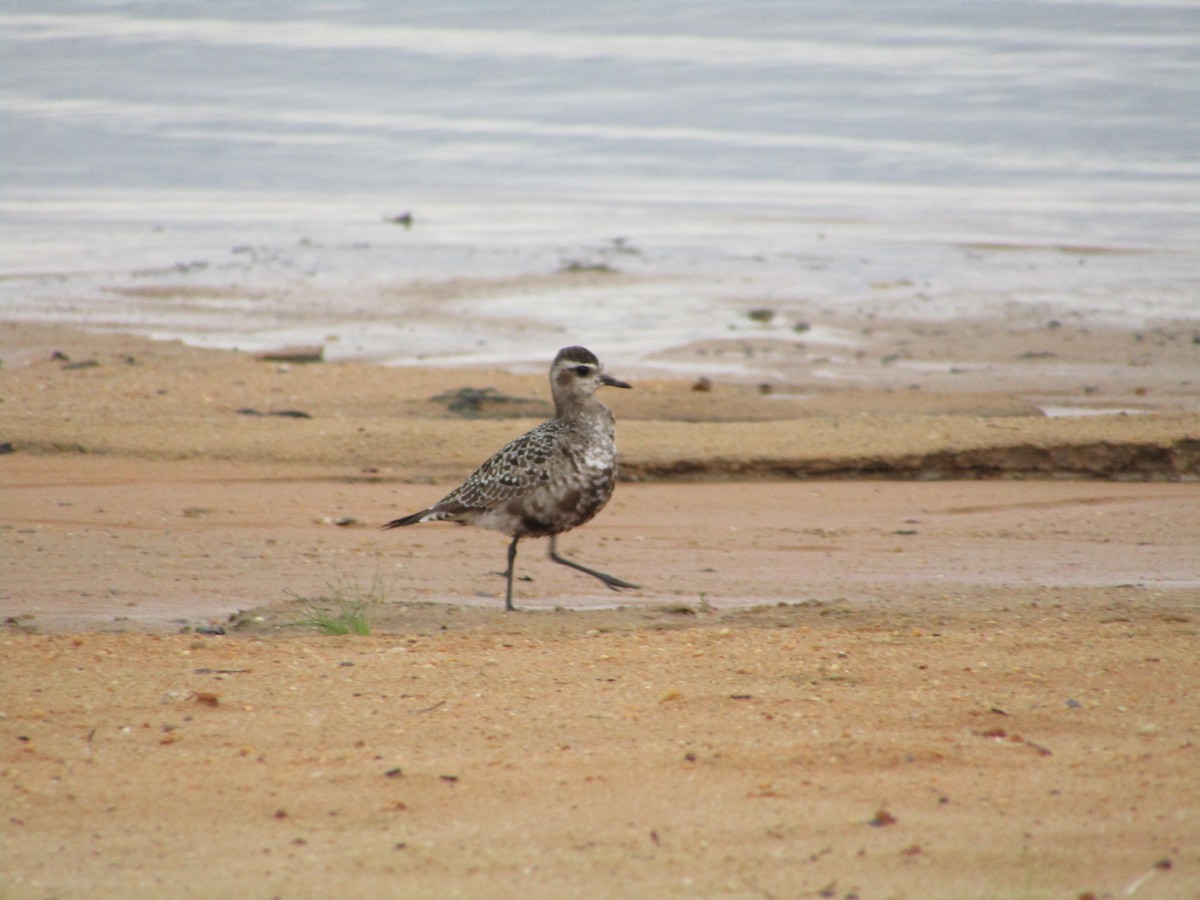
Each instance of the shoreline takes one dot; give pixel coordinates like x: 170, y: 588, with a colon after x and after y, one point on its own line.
x: 138, y: 426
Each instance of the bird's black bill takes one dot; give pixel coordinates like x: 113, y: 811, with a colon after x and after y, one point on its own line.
x: 612, y: 382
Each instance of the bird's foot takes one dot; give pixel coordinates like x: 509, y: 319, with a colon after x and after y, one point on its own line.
x: 617, y: 584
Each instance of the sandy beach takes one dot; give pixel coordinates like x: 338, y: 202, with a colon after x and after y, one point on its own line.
x: 891, y: 641
x: 909, y: 476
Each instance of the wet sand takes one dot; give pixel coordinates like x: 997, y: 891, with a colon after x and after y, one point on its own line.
x: 965, y: 671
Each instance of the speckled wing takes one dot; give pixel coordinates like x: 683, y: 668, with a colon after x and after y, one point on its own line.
x: 513, y: 471
x: 516, y: 469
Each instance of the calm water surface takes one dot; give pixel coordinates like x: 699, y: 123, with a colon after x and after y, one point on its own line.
x: 225, y: 172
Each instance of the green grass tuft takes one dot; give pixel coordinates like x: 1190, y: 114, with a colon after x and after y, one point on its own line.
x: 342, y: 609
x: 349, y: 619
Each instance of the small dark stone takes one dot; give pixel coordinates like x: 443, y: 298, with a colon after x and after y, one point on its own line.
x: 284, y: 413
x: 474, y: 403
x: 299, y: 355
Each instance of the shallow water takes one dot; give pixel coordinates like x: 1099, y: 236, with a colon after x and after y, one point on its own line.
x: 227, y: 174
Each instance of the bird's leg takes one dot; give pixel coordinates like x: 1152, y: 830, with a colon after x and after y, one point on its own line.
x: 615, y: 583
x: 508, y: 574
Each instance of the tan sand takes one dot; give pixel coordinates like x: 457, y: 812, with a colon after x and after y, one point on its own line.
x: 872, y: 688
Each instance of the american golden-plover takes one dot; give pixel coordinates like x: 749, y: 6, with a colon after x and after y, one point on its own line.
x: 549, y: 480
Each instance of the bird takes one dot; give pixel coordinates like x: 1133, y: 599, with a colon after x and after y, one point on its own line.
x: 551, y: 479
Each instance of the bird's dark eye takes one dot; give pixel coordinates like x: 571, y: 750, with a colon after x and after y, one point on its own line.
x: 582, y: 371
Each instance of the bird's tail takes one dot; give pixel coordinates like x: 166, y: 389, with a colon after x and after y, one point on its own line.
x: 407, y: 520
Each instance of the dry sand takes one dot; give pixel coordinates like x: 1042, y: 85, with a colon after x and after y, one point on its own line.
x: 941, y: 684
